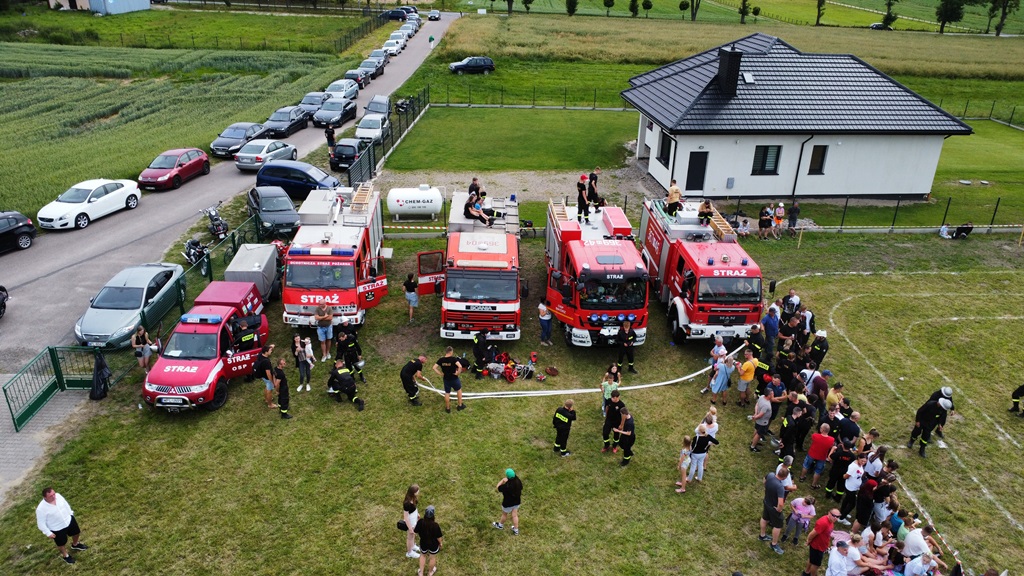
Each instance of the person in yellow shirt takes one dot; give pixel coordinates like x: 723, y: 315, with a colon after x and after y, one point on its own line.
x: 674, y: 199
x: 746, y: 374
x: 835, y: 396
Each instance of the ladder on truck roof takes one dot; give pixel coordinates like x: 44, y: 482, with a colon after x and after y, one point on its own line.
x: 723, y: 230
x: 559, y: 210
x: 508, y: 221
x: 361, y: 199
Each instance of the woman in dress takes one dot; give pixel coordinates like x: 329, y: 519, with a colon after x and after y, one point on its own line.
x: 684, y: 463
x: 724, y: 368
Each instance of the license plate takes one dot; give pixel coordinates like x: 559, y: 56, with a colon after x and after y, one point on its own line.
x: 285, y: 230
x: 149, y: 187
x: 172, y: 400
x: 245, y: 160
x: 725, y: 333
x: 94, y: 344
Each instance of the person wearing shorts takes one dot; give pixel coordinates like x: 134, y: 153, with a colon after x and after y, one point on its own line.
x: 431, y: 540
x: 324, y: 319
x: 449, y: 368
x: 817, y: 454
x: 511, y: 488
x: 774, y: 501
x: 818, y: 541
x: 746, y: 369
x: 56, y: 520
x: 264, y: 370
x: 411, y: 296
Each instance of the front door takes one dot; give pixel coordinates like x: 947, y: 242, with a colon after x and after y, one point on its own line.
x: 695, y: 170
x: 372, y: 287
x: 430, y: 269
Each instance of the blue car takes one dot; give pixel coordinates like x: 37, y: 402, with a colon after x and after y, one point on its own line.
x: 297, y: 178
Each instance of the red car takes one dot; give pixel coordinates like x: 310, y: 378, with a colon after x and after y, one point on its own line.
x: 173, y: 167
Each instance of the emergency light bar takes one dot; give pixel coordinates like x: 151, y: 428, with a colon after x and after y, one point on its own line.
x: 317, y: 251
x: 200, y: 319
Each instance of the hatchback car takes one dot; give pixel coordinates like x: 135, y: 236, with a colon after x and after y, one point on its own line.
x: 434, y: 15
x: 361, y: 78
x: 275, y: 209
x: 400, y: 37
x: 393, y: 47
x: 880, y: 26
x: 373, y: 68
x: 286, y: 121
x: 145, y: 291
x: 373, y: 127
x: 173, y: 167
x: 87, y: 201
x: 297, y: 178
x: 343, y: 88
x: 381, y: 54
x: 234, y: 136
x: 409, y: 29
x: 16, y: 231
x: 472, y: 65
x: 346, y: 152
x: 255, y: 154
x: 335, y: 112
x: 410, y: 9
x: 312, y: 102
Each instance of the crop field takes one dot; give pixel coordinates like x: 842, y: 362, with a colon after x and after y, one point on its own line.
x: 709, y: 11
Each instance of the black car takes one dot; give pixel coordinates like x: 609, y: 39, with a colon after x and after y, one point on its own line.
x: 473, y: 65
x: 396, y: 15
x: 346, y: 152
x: 335, y: 112
x: 235, y: 136
x: 434, y: 15
x: 880, y: 26
x: 286, y: 121
x: 361, y: 78
x: 312, y: 102
x: 277, y: 214
x: 410, y: 9
x: 381, y: 54
x: 16, y: 231
x: 372, y: 67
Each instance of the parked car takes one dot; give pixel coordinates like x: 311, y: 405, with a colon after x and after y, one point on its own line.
x: 343, y: 88
x: 372, y: 67
x: 335, y: 112
x: 373, y: 127
x: 146, y: 290
x: 434, y: 15
x: 16, y: 231
x: 173, y: 167
x: 286, y: 121
x: 379, y: 104
x: 312, y: 102
x: 396, y: 14
x: 362, y: 79
x: 880, y: 26
x: 381, y: 54
x: 472, y: 65
x: 416, y: 19
x: 409, y: 28
x: 234, y: 136
x: 255, y: 154
x: 401, y: 37
x: 297, y: 178
x: 393, y: 47
x: 346, y: 152
x: 410, y: 9
x: 87, y: 201
x: 276, y: 211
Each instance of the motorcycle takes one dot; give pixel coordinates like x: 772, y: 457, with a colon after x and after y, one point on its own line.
x: 402, y: 105
x: 4, y: 297
x: 218, y: 226
x: 198, y: 253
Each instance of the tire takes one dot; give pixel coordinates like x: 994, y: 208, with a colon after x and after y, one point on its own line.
x: 678, y: 334
x: 132, y: 202
x: 204, y: 267
x: 24, y: 241
x: 295, y: 155
x: 3, y: 309
x: 176, y: 183
x: 486, y: 71
x: 206, y: 168
x: 229, y: 253
x: 460, y: 72
x: 82, y: 220
x: 567, y: 334
x: 220, y: 396
x: 275, y: 291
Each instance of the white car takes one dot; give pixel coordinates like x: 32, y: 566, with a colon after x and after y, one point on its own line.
x: 401, y: 37
x: 373, y: 127
x: 87, y: 201
x: 409, y: 29
x: 393, y: 47
x: 343, y: 88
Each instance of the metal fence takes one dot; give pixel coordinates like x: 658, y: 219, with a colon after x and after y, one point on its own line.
x: 525, y: 96
x: 406, y: 111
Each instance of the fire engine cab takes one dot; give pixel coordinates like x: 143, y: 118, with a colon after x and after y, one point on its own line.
x: 478, y: 274
x: 208, y: 348
x: 709, y: 282
x: 596, y: 277
x: 336, y: 257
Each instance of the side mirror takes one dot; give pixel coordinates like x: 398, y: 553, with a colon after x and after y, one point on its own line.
x: 567, y: 301
x: 580, y: 286
x: 524, y: 289
x: 556, y: 275
x: 373, y: 271
x: 91, y: 200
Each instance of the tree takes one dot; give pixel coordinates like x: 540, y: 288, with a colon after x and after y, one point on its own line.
x: 1004, y: 8
x: 647, y: 4
x: 889, y: 18
x: 821, y: 12
x: 744, y: 11
x: 509, y: 2
x: 570, y: 6
x: 608, y: 4
x: 684, y: 5
x: 756, y: 11
x: 634, y: 7
x: 526, y: 4
x: 949, y: 11
x: 694, y: 7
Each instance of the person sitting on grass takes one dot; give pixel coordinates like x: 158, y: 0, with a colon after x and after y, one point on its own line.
x: 944, y: 232
x: 963, y: 231
x: 744, y: 230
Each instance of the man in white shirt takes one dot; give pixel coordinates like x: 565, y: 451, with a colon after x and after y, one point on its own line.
x: 919, y: 541
x: 854, y: 478
x: 56, y: 520
x: 837, y: 564
x: 923, y: 565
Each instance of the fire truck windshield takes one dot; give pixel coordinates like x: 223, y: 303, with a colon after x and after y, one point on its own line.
x: 613, y: 294
x: 320, y: 276
x: 182, y: 346
x: 490, y: 286
x: 739, y: 290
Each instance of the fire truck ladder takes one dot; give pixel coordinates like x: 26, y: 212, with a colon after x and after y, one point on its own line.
x: 559, y: 210
x: 723, y: 230
x: 361, y: 198
x: 509, y: 214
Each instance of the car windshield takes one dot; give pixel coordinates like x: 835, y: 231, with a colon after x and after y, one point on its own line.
x: 370, y: 123
x: 337, y: 87
x: 118, y: 298
x: 368, y: 64
x: 277, y: 204
x: 233, y: 133
x: 745, y: 290
x: 74, y: 195
x: 490, y: 286
x: 619, y: 294
x: 252, y: 149
x: 378, y: 54
x: 313, y: 99
x: 184, y: 346
x: 279, y: 116
x: 314, y: 275
x: 466, y: 61
x: 164, y: 161
x: 391, y: 44
x: 397, y: 36
x: 333, y: 106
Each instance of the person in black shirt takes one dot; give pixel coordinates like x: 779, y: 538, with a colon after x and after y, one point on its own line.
x: 612, y: 419
x: 448, y: 368
x: 582, y: 207
x: 342, y: 382
x: 474, y: 187
x: 246, y: 338
x: 788, y: 433
x: 264, y: 369
x: 281, y: 381
x: 788, y: 336
x: 842, y: 455
x: 411, y: 372
x: 470, y: 211
x: 627, y: 436
x: 411, y: 296
x: 625, y: 340
x: 329, y: 134
x: 562, y: 421
x: 819, y: 346
x: 349, y: 350
x: 807, y: 421
x: 1015, y: 400
x: 849, y: 430
x: 944, y: 392
x: 431, y: 539
x: 928, y: 417
x: 511, y: 488
x: 482, y: 352
x: 592, y: 196
x: 756, y: 340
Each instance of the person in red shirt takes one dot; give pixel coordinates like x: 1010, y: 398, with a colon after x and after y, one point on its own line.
x: 818, y: 541
x: 817, y: 454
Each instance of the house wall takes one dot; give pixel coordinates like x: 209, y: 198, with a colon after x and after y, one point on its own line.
x: 855, y: 165
x: 650, y: 138
x: 110, y: 7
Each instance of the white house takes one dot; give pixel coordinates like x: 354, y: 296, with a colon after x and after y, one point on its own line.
x: 758, y: 118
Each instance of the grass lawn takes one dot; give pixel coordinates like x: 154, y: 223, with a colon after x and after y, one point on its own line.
x: 709, y: 11
x: 975, y: 16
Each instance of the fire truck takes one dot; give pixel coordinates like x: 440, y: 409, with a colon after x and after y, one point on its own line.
x: 336, y: 257
x: 709, y: 283
x: 206, y: 349
x: 477, y: 275
x: 596, y: 277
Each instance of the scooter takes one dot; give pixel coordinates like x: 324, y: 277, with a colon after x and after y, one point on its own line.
x: 218, y: 226
x: 197, y: 253
x: 4, y: 297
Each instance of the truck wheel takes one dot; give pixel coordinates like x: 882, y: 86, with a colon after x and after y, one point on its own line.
x: 220, y: 396
x: 275, y: 291
x: 567, y: 333
x: 678, y: 334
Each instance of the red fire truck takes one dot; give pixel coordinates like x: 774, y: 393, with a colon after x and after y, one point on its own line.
x: 596, y: 278
x: 478, y: 274
x: 710, y: 284
x: 336, y: 257
x: 206, y: 350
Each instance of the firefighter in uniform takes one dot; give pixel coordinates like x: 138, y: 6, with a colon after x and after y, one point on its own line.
x: 482, y: 352
x: 562, y: 421
x: 245, y: 338
x: 612, y: 420
x: 350, y: 351
x: 627, y: 436
x: 342, y: 382
x: 819, y: 347
x: 625, y: 339
x: 788, y: 433
x: 411, y: 372
x: 927, y: 419
x: 762, y: 376
x: 944, y: 392
x: 756, y: 340
x: 1015, y: 400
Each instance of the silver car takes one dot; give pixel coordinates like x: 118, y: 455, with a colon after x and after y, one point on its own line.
x: 146, y: 290
x: 343, y: 88
x: 255, y: 154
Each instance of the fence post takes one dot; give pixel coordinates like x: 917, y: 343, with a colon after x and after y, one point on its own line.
x: 168, y: 40
x: 58, y: 374
x: 595, y: 98
x: 144, y: 44
x: 993, y: 221
x: 946, y: 213
x: 447, y: 94
x: 534, y: 95
x: 122, y: 39
x: 470, y: 95
x: 193, y: 41
x: 239, y: 42
x: 843, y: 219
x: 502, y: 100
x: 992, y: 109
x: 892, y: 227
x: 565, y: 97
x: 181, y: 293
x: 964, y: 115
x: 1012, y: 112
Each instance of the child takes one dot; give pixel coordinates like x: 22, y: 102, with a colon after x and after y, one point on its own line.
x: 744, y: 229
x: 608, y: 385
x: 684, y: 463
x: 309, y: 351
x: 718, y: 352
x: 800, y: 518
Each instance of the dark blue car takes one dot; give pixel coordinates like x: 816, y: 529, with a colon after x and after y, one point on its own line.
x: 297, y: 178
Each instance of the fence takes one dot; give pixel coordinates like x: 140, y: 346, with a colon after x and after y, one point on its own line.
x: 406, y: 112
x: 979, y: 109
x: 527, y: 97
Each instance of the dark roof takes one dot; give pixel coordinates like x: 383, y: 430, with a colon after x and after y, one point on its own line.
x: 792, y: 92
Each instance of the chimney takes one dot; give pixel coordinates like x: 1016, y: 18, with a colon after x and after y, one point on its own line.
x: 728, y: 70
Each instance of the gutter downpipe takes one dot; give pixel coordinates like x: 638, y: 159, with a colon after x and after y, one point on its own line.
x: 799, y: 161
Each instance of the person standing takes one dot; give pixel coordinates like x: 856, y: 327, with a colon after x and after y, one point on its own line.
x: 411, y: 295
x: 771, y: 332
x: 1015, y: 400
x: 609, y: 385
x: 755, y: 341
x: 819, y: 347
x: 142, y: 345
x: 592, y: 195
x: 324, y: 318
x: 788, y: 433
x: 625, y: 339
x: 281, y: 383
x: 545, y: 317
x: 790, y: 305
x: 410, y: 515
x: 684, y: 463
x: 613, y: 420
x: 329, y: 134
x: 853, y: 479
x: 794, y: 215
x: 482, y: 353
x: 474, y: 187
x: 818, y: 541
x: 511, y: 489
x: 448, y: 368
x: 764, y: 222
x: 264, y: 370
x: 701, y: 444
x: 817, y: 455
x: 746, y: 378
x: 807, y: 324
x: 762, y: 417
x: 673, y: 201
x: 582, y: 206
x: 800, y: 518
x: 789, y: 336
x: 944, y: 392
x: 411, y: 372
x: 627, y: 436
x: 721, y: 378
x: 56, y: 520
x: 431, y: 539
x: 301, y: 362
x: 841, y: 457
x: 562, y: 421
x: 928, y: 418
x: 771, y: 513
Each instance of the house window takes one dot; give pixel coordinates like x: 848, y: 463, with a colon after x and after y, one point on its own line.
x: 818, y: 160
x: 664, y: 149
x: 766, y: 160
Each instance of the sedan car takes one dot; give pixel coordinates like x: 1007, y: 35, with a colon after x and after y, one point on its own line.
x: 255, y: 154
x: 381, y: 54
x: 393, y: 47
x: 373, y: 68
x: 343, y: 88
x: 234, y: 136
x: 434, y: 15
x: 173, y: 167
x: 286, y: 121
x: 409, y: 28
x: 16, y: 231
x: 362, y: 79
x: 276, y: 211
x: 400, y: 37
x: 373, y: 127
x: 472, y: 65
x: 145, y: 291
x: 335, y: 112
x: 312, y: 102
x: 87, y: 201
